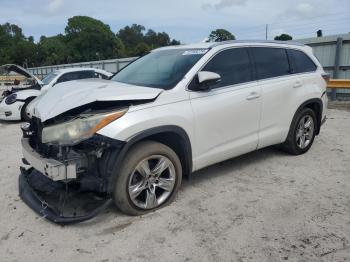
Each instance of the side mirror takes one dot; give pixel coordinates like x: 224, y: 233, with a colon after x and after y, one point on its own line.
x: 206, y: 79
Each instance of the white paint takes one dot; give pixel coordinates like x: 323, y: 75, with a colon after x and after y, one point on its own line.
x: 221, y: 123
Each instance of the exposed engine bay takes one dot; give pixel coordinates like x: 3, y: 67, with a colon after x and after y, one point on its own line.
x: 32, y: 82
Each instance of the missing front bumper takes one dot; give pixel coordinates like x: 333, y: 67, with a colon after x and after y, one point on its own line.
x: 53, y: 169
x: 58, y: 202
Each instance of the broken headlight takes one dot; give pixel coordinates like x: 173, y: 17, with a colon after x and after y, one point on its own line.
x: 79, y: 129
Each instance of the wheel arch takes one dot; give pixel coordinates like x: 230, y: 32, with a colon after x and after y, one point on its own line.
x: 26, y: 99
x: 26, y: 102
x: 173, y: 136
x: 317, y: 106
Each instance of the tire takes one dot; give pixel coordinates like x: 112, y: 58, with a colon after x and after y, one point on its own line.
x: 129, y: 179
x: 294, y: 144
x: 24, y: 116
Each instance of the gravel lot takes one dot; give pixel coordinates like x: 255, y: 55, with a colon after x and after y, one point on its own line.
x: 263, y: 206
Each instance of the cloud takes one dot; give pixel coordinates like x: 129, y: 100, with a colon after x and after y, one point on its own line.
x: 245, y: 18
x: 305, y: 10
x: 55, y: 6
x: 222, y: 4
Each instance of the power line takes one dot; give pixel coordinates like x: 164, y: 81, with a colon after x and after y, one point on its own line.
x: 315, y: 24
x: 339, y: 27
x: 312, y: 18
x: 289, y: 26
x: 284, y: 21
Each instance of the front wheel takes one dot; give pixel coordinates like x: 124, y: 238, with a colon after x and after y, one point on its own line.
x: 149, y: 178
x: 302, y: 132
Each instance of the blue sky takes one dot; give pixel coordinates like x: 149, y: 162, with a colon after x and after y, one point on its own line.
x: 188, y: 21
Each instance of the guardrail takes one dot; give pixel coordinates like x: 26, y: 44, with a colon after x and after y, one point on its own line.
x: 335, y: 84
x: 112, y: 65
x: 339, y: 83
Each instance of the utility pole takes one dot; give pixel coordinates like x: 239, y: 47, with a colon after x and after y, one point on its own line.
x: 336, y: 65
x: 266, y: 29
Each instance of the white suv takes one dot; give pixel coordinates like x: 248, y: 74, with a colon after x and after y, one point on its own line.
x: 169, y: 113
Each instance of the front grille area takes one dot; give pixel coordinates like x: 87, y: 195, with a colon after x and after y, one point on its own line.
x: 34, y: 134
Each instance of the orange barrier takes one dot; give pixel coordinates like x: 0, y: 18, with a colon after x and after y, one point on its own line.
x: 339, y: 83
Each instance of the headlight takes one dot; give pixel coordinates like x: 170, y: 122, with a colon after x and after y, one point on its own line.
x: 11, y: 99
x: 79, y: 129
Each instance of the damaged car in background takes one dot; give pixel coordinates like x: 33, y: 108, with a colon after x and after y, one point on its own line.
x: 130, y: 140
x: 15, y: 100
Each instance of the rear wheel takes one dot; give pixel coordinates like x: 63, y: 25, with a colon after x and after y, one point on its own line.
x: 24, y: 115
x: 302, y: 132
x: 149, y: 178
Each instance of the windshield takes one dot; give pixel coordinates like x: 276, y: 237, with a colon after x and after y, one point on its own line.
x: 47, y: 79
x: 160, y: 69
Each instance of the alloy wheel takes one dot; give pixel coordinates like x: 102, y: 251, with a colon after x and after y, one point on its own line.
x: 152, y: 182
x: 305, y: 131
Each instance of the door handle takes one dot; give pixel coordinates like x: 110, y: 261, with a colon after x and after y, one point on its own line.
x: 297, y: 84
x: 253, y: 95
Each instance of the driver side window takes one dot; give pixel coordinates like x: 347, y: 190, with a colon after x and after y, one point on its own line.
x: 233, y: 65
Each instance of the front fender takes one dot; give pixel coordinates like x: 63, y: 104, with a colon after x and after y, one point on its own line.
x: 135, y: 122
x: 25, y: 94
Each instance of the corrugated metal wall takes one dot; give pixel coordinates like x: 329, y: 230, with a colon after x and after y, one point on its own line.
x: 325, y: 50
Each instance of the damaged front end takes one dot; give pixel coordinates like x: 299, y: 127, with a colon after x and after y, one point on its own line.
x: 66, y: 183
x: 69, y: 175
x: 9, y: 69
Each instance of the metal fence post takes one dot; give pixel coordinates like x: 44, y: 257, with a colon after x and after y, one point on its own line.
x: 336, y: 65
x: 117, y: 64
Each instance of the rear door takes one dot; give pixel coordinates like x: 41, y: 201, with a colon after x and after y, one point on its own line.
x: 278, y: 86
x: 227, y: 116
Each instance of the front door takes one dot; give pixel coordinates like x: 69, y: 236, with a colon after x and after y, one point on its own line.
x: 226, y: 116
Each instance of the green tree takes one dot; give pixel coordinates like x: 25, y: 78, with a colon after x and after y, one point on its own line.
x: 283, y: 37
x: 175, y: 42
x: 131, y: 36
x: 85, y: 39
x: 90, y: 39
x: 53, y: 50
x: 141, y: 49
x: 119, y: 50
x: 219, y: 35
x: 15, y: 47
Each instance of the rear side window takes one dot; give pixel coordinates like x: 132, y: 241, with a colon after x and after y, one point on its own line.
x: 270, y: 62
x: 76, y: 76
x: 233, y: 65
x: 300, y: 62
x: 86, y: 74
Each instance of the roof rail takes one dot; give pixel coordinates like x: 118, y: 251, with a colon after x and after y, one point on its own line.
x: 257, y: 42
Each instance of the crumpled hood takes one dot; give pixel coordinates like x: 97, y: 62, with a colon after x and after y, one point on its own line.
x: 66, y: 96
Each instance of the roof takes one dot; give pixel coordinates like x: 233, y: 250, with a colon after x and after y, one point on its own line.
x: 232, y: 42
x: 76, y: 69
x: 257, y: 42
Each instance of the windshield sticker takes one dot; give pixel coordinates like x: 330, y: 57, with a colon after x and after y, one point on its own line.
x: 195, y: 52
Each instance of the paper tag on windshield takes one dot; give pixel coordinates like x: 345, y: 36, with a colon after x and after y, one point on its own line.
x: 195, y: 52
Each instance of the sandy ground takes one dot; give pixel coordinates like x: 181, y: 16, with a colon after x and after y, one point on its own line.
x: 263, y: 206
